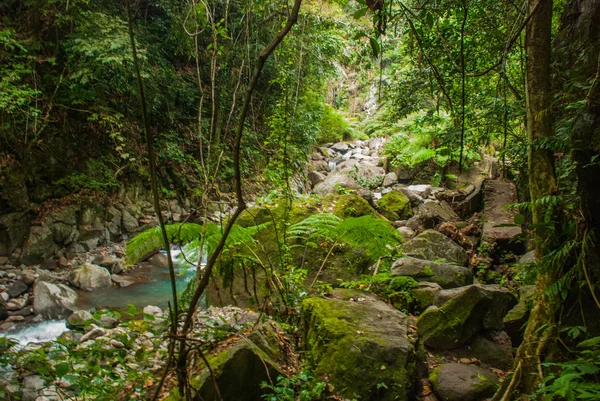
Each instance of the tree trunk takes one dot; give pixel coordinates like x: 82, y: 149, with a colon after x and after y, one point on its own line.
x: 527, y: 373
x: 542, y: 182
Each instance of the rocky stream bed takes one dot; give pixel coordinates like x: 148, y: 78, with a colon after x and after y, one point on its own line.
x: 453, y: 342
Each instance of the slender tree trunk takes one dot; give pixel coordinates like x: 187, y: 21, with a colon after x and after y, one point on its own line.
x: 542, y: 182
x: 527, y: 372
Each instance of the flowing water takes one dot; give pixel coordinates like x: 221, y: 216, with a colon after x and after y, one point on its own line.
x: 155, y: 290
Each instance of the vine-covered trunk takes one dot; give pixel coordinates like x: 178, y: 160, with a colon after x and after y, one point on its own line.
x: 542, y: 183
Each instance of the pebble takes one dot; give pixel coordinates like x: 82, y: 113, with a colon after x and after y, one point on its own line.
x: 117, y: 344
x: 15, y: 318
x: 93, y: 334
x: 11, y: 276
x: 4, y: 296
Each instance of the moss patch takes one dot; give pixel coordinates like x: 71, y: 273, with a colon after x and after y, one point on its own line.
x: 395, y: 205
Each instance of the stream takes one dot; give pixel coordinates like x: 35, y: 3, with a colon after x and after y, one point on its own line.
x: 155, y: 289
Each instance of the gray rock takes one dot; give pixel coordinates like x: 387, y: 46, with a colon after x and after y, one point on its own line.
x: 63, y: 224
x: 153, y: 310
x: 89, y: 276
x: 28, y: 277
x: 341, y: 147
x: 458, y: 382
x: 123, y: 281
x: 464, y: 312
x: 14, y: 228
x: 415, y: 200
x: 92, y: 334
x: 315, y: 177
x: 318, y: 166
x: 53, y: 301
x: 390, y: 179
x: 435, y: 246
x: 424, y: 294
x: 129, y: 223
x: 406, y: 232
x: 113, y: 223
x: 414, y: 223
x: 433, y: 213
x: 351, y: 175
x: 422, y: 190
x: 18, y: 288
x: 494, y: 349
x: 78, y: 319
x: 40, y: 246
x: 528, y: 258
x: 446, y: 275
x: 158, y: 260
x: 112, y: 263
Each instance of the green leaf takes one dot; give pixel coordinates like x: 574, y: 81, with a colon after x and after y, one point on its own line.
x: 519, y: 219
x: 62, y: 369
x: 375, y: 46
x: 360, y: 13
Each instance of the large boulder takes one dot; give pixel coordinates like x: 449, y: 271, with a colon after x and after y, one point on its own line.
x: 240, y: 368
x: 433, y: 245
x: 464, y: 312
x: 63, y: 224
x: 89, y: 276
x: 351, y: 174
x: 53, y: 301
x: 395, y: 205
x: 14, y: 228
x: 315, y: 177
x: 359, y: 342
x: 433, y: 213
x: 40, y: 246
x: 444, y: 274
x: 458, y: 382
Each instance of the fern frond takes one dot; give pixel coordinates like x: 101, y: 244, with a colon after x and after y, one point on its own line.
x: 318, y: 225
x: 376, y: 235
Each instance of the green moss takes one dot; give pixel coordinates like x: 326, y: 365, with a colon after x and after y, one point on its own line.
x: 395, y: 205
x: 345, y: 206
x: 337, y: 343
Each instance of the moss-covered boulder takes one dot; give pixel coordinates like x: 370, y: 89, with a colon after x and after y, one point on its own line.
x: 444, y: 274
x: 424, y: 294
x: 361, y: 344
x: 464, y: 312
x: 240, y: 368
x: 435, y: 246
x: 458, y: 382
x: 395, y: 205
x: 249, y: 287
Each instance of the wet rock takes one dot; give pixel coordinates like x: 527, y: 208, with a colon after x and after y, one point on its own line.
x: 89, y: 277
x: 18, y: 288
x: 112, y: 263
x: 395, y: 205
x: 358, y: 341
x: 78, y: 319
x: 458, y: 382
x: 53, y: 301
x: 432, y: 245
x: 446, y: 275
x: 464, y: 312
x: 122, y: 281
x: 158, y: 260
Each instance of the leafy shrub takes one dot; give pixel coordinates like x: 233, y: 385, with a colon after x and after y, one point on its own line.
x: 334, y: 128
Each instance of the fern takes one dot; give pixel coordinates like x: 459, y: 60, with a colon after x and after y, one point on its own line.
x: 321, y: 225
x: 193, y: 234
x: 376, y: 235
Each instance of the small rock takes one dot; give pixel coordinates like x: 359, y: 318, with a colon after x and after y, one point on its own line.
x: 406, y: 232
x: 122, y: 281
x: 390, y: 179
x: 458, y: 382
x: 422, y: 190
x: 153, y: 310
x: 18, y: 288
x: 3, y: 260
x: 28, y: 277
x: 49, y: 264
x: 89, y: 276
x: 78, y: 319
x: 117, y: 344
x: 93, y: 334
x: 158, y: 260
x: 63, y: 263
x: 15, y: 318
x: 4, y: 296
